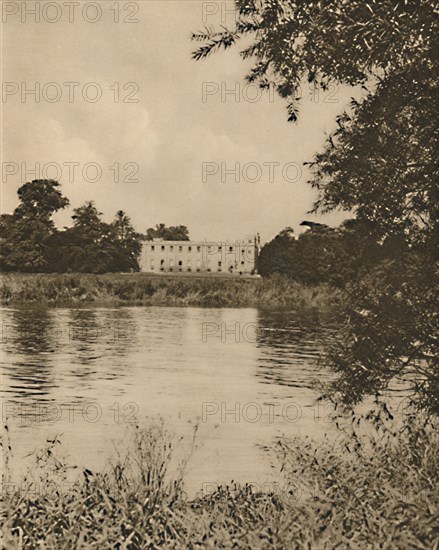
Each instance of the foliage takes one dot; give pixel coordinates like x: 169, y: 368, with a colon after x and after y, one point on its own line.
x: 93, y: 246
x: 380, y: 163
x: 381, y: 160
x: 324, y: 254
x: 143, y: 289
x: 325, y: 41
x: 374, y: 487
x: 390, y: 332
x: 23, y: 233
x: 92, y: 250
x: 31, y: 243
x: 133, y: 504
x: 40, y: 199
x: 127, y: 243
x: 160, y: 231
x: 278, y: 256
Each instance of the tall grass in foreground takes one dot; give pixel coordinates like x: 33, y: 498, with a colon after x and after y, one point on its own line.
x: 142, y: 289
x: 369, y: 489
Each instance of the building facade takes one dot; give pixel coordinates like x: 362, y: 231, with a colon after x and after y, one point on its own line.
x: 239, y: 258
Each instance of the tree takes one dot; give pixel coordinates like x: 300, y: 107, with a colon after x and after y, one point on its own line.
x: 390, y: 333
x: 126, y: 242
x: 88, y: 242
x: 380, y: 164
x: 323, y: 254
x: 30, y: 241
x: 24, y: 233
x: 320, y: 42
x: 93, y: 246
x: 160, y: 231
x: 278, y: 255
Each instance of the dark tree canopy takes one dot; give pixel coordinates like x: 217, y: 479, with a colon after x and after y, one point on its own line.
x: 321, y: 41
x: 381, y: 160
x: 380, y: 164
x: 95, y: 246
x: 127, y: 243
x: 324, y: 254
x: 30, y: 241
x: 24, y: 233
x: 172, y: 233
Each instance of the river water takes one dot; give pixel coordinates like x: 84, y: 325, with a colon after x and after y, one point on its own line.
x: 244, y: 376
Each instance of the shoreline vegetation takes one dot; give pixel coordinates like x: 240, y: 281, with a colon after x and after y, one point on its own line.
x: 373, y: 486
x: 119, y: 289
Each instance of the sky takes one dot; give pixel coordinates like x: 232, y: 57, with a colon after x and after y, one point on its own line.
x: 122, y: 115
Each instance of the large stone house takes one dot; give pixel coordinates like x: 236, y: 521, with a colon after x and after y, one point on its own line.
x: 239, y: 258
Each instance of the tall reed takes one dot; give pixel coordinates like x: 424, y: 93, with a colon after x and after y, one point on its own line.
x: 142, y: 289
x: 373, y: 486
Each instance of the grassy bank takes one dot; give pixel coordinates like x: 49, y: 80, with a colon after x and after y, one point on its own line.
x: 143, y: 289
x: 375, y: 491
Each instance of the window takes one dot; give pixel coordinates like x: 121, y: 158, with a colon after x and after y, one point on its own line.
x: 152, y: 247
x: 243, y: 251
x: 198, y: 248
x: 189, y: 248
x: 171, y: 248
x: 162, y: 262
x: 189, y: 269
x: 242, y: 263
x: 219, y: 263
x: 230, y: 248
x: 219, y: 270
x: 180, y: 249
x: 163, y: 247
x: 220, y: 248
x: 180, y: 262
x: 198, y: 269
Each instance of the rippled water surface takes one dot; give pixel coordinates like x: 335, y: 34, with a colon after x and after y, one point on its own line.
x: 244, y: 375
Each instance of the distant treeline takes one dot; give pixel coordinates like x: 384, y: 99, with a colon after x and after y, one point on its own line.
x: 336, y: 256
x: 31, y: 243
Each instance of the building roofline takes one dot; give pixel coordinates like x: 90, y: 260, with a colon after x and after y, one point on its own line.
x: 195, y: 243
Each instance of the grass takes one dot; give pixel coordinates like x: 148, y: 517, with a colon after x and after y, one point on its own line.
x: 375, y: 486
x: 143, y: 289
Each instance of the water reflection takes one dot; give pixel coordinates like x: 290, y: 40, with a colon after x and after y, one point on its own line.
x: 29, y: 340
x: 99, y: 369
x: 45, y: 348
x: 292, y: 346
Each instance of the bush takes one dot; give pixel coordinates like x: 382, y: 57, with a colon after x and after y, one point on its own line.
x: 373, y: 486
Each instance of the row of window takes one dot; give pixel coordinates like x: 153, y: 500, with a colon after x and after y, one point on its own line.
x: 198, y: 269
x: 189, y: 248
x: 180, y: 263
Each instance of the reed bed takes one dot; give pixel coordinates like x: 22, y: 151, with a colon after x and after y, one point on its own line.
x: 369, y: 488
x: 143, y: 289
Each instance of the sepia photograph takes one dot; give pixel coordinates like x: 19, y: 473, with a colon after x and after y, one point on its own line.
x: 219, y: 230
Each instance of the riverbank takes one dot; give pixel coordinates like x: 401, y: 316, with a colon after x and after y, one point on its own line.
x: 378, y: 490
x: 73, y: 290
